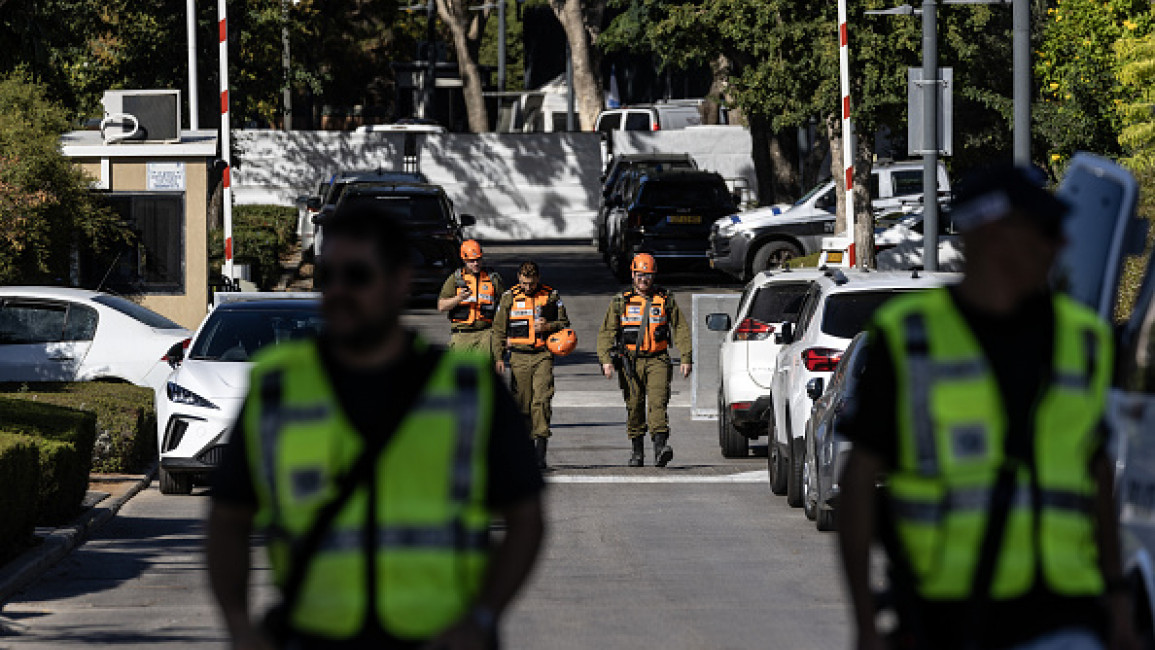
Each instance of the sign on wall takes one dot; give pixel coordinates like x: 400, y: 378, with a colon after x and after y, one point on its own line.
x: 165, y: 176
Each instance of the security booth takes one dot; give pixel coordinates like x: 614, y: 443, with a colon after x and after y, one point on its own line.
x: 161, y: 189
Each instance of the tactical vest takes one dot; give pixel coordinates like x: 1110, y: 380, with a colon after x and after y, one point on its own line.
x: 482, y: 305
x: 952, y: 428
x: 430, y: 518
x: 523, y: 311
x: 654, y: 337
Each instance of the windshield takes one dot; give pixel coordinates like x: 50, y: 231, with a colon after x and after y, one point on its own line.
x: 683, y: 195
x: 778, y: 303
x: 237, y: 334
x: 815, y: 190
x: 408, y: 209
x: 847, y: 313
x: 136, y: 312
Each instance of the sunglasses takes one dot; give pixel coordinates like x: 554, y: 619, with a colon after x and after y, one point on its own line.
x: 353, y: 275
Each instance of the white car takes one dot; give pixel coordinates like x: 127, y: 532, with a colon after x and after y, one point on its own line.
x: 837, y: 306
x: 204, y: 393
x: 749, y: 352
x: 65, y: 334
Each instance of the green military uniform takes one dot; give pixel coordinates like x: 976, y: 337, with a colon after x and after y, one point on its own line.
x: 647, y: 394
x: 470, y: 323
x: 530, y: 363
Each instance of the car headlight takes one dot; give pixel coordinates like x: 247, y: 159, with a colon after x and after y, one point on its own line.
x: 182, y: 395
x: 728, y: 226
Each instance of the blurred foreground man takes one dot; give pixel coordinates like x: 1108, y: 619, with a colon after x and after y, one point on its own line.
x: 526, y: 317
x: 374, y: 462
x: 981, y: 410
x: 635, y: 339
x: 469, y: 297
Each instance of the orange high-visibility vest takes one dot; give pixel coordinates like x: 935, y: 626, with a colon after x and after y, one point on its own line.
x: 523, y: 311
x: 655, y: 337
x: 483, y: 304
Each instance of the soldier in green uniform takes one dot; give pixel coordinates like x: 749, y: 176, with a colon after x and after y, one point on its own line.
x: 527, y: 314
x: 469, y: 297
x: 635, y: 338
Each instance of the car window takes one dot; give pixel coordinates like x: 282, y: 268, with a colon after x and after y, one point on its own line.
x: 637, y: 121
x: 807, y: 311
x: 874, y: 191
x: 778, y: 302
x: 609, y: 122
x: 827, y: 201
x: 335, y: 193
x: 237, y: 334
x: 847, y: 313
x: 136, y: 312
x: 906, y: 182
x: 80, y: 324
x: 408, y: 209
x: 683, y: 194
x: 23, y: 323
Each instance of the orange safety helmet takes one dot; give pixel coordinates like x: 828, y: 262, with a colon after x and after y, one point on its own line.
x: 644, y: 263
x: 562, y: 343
x: 470, y: 250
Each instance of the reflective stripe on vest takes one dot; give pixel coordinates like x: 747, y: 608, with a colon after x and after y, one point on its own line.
x: 654, y: 337
x: 481, y: 306
x: 523, y: 310
x: 952, y: 432
x: 431, y: 524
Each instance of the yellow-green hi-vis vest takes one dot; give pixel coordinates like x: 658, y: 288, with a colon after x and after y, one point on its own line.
x: 431, y: 521
x: 952, y: 426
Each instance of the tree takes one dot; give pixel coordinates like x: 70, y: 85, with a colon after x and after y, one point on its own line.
x: 582, y: 22
x: 46, y: 209
x: 1136, y: 105
x: 467, y: 28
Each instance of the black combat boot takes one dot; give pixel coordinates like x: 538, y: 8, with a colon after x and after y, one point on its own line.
x: 638, y: 457
x: 541, y: 444
x: 663, y: 452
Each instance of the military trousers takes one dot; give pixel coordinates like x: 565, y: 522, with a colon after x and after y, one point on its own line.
x: 648, y: 396
x: 480, y: 340
x: 533, y: 388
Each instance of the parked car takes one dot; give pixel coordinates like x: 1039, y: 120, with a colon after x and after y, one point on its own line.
x: 668, y: 214
x: 744, y: 244
x: 65, y: 334
x: 308, y: 207
x: 650, y: 117
x: 402, y: 126
x: 206, y: 388
x: 748, y: 354
x: 837, y: 306
x: 615, y: 185
x: 435, y: 229
x: 825, y: 452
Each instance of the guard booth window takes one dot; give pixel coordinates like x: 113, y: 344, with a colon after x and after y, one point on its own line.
x: 153, y: 262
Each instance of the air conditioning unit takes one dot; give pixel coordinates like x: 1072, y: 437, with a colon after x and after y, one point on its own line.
x: 141, y: 116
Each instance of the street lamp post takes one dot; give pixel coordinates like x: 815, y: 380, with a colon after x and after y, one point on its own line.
x: 569, y: 99
x: 431, y: 61
x: 930, y: 135
x: 1021, y: 27
x: 286, y: 90
x: 501, y: 45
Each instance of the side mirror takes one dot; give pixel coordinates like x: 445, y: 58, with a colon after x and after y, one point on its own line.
x: 175, y: 354
x: 785, y: 334
x: 737, y: 196
x: 718, y: 322
x: 467, y: 220
x: 815, y: 388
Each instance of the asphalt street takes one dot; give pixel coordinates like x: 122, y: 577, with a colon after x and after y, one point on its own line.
x: 697, y: 555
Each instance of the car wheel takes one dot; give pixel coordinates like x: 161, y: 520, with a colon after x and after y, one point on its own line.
x: 618, y: 262
x: 773, y: 255
x: 734, y: 444
x: 826, y: 521
x: 171, y: 483
x: 809, y: 482
x: 776, y: 465
x: 794, y: 476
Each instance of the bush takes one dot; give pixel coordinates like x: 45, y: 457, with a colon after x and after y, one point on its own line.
x: 262, y: 235
x: 19, y: 483
x: 64, y: 438
x: 125, y: 419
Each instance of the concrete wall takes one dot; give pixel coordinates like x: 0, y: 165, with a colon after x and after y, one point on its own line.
x: 519, y: 186
x: 723, y: 149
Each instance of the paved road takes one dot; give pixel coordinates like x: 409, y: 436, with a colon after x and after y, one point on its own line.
x: 696, y: 556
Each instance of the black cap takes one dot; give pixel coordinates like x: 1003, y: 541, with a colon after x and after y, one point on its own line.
x: 995, y: 193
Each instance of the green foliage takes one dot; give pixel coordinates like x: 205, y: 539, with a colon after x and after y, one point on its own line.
x: 45, y: 206
x: 1136, y: 105
x: 262, y: 235
x: 514, y: 47
x: 19, y: 478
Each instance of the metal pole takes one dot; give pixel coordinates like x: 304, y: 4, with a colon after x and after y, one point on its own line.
x: 226, y: 175
x: 191, y: 18
x: 847, y: 125
x: 1021, y: 27
x: 930, y: 135
x: 430, y: 62
x: 501, y: 45
x: 286, y: 91
x: 569, y: 121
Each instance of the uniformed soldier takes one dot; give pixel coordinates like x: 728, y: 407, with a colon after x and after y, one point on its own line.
x: 469, y: 297
x: 981, y: 410
x: 635, y: 339
x: 526, y: 316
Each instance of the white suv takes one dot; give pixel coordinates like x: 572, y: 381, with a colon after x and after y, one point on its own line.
x: 837, y: 306
x: 749, y: 352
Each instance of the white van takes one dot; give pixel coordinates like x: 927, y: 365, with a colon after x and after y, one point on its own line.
x: 652, y: 117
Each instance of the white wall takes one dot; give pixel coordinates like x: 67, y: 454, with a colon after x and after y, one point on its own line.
x: 519, y: 186
x: 723, y: 149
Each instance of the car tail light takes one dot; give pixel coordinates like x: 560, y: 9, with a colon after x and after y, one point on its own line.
x: 821, y: 359
x: 656, y: 126
x: 741, y: 406
x: 752, y: 329
x: 850, y: 257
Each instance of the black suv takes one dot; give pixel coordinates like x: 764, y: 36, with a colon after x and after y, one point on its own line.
x: 622, y: 173
x: 667, y: 214
x: 427, y: 213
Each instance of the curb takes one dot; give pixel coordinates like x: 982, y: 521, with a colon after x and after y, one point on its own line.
x: 33, y: 563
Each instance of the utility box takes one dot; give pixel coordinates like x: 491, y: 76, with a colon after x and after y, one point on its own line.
x: 915, y: 112
x: 141, y: 116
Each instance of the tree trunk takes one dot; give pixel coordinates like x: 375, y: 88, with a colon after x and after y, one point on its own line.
x: 582, y: 26
x: 785, y: 169
x: 834, y: 134
x: 760, y: 138
x: 717, y: 95
x: 457, y: 16
x: 863, y: 209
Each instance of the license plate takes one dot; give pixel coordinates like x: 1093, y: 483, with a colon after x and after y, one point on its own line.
x: 834, y: 257
x: 686, y: 219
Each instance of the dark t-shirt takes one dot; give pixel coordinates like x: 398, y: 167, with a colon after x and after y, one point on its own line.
x: 1019, y: 349
x: 513, y: 475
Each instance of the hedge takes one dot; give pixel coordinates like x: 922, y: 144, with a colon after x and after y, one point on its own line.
x: 125, y: 419
x: 64, y: 438
x: 19, y: 482
x: 262, y: 235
